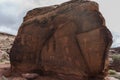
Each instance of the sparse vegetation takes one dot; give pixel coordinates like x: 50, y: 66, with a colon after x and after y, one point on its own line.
x: 112, y: 72
x: 116, y: 76
x: 115, y: 66
x: 116, y: 57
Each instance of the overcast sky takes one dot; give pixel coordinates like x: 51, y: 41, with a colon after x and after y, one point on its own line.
x: 13, y: 11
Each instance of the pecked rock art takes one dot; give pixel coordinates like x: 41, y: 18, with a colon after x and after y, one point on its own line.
x: 63, y: 42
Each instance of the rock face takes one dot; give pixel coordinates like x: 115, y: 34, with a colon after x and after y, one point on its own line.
x: 65, y: 42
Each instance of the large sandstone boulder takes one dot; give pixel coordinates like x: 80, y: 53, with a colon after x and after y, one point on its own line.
x: 65, y: 42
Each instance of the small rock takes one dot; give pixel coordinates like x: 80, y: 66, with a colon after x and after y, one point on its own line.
x: 3, y: 78
x: 30, y: 75
x: 19, y: 78
x: 118, y: 73
x: 112, y: 78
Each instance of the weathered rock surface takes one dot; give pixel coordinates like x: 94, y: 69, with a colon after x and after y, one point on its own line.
x: 65, y: 42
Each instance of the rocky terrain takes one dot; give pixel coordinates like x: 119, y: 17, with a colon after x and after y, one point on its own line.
x: 6, y: 41
x: 114, y: 59
x: 115, y: 50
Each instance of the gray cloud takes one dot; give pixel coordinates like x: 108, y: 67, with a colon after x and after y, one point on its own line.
x: 8, y: 18
x: 13, y: 11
